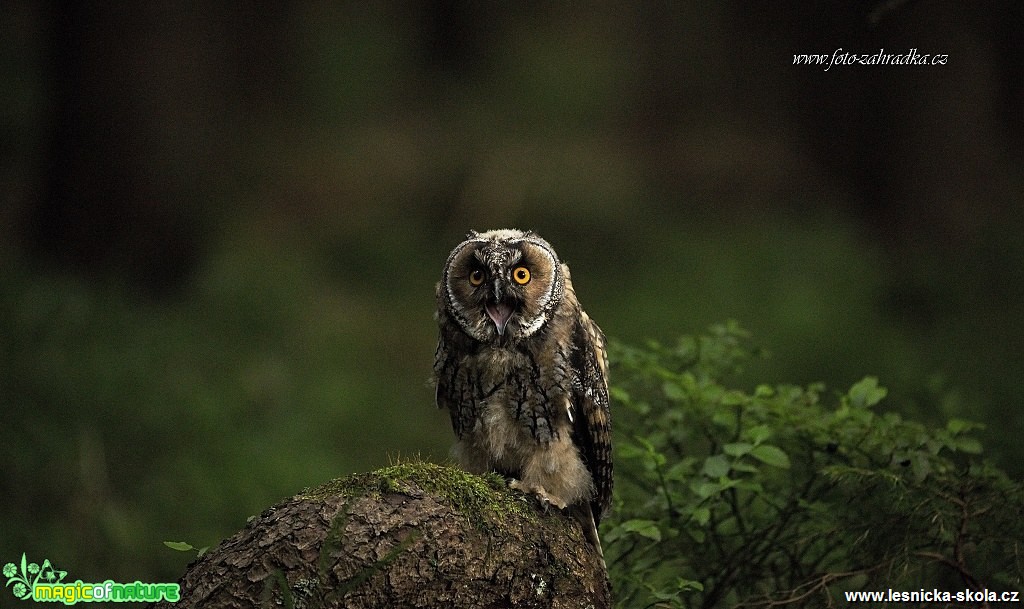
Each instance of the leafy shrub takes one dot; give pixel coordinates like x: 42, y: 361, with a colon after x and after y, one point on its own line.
x: 789, y: 496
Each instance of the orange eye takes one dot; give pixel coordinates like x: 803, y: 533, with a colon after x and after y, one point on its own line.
x: 476, y: 277
x: 521, y: 275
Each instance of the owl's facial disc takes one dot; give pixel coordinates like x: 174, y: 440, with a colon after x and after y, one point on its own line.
x: 502, y: 286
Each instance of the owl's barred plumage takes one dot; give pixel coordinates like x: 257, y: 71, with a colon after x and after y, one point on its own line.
x: 523, y: 371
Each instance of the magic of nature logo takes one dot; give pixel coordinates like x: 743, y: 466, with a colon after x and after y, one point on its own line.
x: 44, y: 583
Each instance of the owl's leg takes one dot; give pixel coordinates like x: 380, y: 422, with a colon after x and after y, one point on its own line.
x: 556, y: 474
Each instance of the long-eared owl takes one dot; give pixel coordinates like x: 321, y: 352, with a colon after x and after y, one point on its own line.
x: 523, y: 372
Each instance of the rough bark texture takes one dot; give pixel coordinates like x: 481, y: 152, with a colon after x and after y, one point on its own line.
x: 411, y: 535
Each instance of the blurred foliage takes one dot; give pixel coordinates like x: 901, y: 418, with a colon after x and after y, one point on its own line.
x: 788, y: 495
x: 135, y: 421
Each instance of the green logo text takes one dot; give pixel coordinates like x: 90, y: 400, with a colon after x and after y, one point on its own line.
x: 45, y: 584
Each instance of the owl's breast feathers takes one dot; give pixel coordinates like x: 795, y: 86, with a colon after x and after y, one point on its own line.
x: 508, y: 401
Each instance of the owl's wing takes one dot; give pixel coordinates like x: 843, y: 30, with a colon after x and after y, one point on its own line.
x: 446, y: 384
x: 591, y: 415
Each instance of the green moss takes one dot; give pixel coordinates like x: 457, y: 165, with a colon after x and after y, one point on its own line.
x: 480, y: 498
x: 349, y: 486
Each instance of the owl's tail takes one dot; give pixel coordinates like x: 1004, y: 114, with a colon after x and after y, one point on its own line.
x: 585, y: 514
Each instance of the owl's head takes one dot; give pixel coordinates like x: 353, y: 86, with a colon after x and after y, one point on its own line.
x: 502, y: 285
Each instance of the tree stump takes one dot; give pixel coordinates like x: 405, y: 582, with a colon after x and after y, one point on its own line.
x: 410, y: 535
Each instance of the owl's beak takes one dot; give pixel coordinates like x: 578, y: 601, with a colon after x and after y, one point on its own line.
x: 499, y: 312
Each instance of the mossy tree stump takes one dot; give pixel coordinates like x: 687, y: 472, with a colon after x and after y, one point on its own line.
x: 410, y: 535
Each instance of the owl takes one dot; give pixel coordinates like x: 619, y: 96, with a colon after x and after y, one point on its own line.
x: 523, y: 372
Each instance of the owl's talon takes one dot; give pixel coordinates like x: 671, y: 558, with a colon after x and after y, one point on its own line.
x: 546, y: 500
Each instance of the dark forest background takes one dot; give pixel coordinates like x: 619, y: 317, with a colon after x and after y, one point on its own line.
x: 221, y: 225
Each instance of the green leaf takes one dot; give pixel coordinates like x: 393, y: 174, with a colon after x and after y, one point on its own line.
x: 759, y: 433
x: 958, y: 426
x: 867, y: 393
x: 681, y: 471
x: 650, y: 451
x: 716, y: 466
x: 920, y: 466
x: 701, y: 515
x: 705, y: 489
x: 644, y: 528
x: 734, y: 398
x: 970, y: 446
x: 737, y: 449
x: 771, y: 455
x: 746, y: 467
x: 673, y: 392
x: 180, y: 546
x: 667, y: 598
x: 685, y: 585
x: 724, y: 418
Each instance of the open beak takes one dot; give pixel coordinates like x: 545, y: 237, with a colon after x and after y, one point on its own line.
x: 499, y: 312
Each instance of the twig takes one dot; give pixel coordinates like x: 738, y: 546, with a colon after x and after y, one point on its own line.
x: 814, y: 586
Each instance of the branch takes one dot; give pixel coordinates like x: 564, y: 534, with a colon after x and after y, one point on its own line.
x: 804, y: 591
x: 409, y: 535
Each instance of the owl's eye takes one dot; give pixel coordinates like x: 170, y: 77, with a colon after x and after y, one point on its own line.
x: 476, y: 277
x: 521, y: 275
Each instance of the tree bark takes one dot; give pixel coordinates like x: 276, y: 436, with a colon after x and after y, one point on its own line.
x: 410, y: 535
